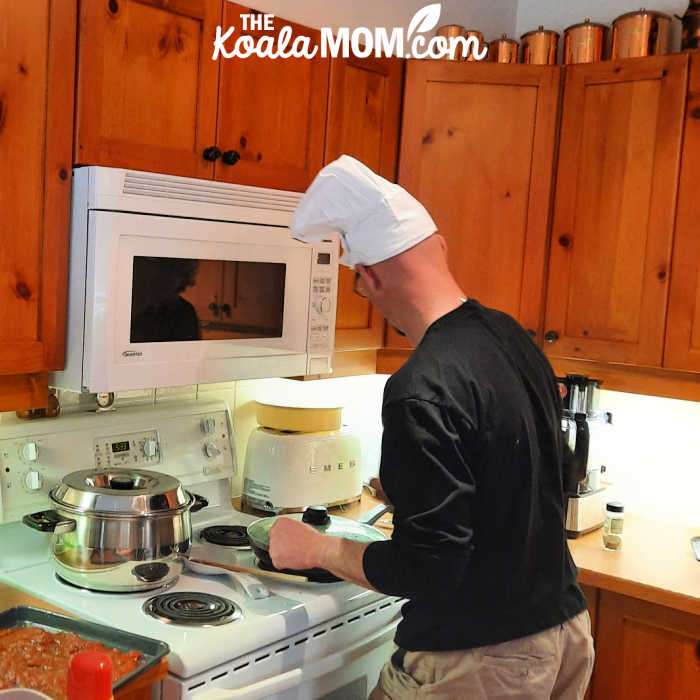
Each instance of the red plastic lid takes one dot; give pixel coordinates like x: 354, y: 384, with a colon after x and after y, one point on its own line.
x: 90, y: 676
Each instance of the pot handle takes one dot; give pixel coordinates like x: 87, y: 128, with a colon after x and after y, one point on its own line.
x: 198, y: 503
x: 49, y: 521
x: 371, y: 516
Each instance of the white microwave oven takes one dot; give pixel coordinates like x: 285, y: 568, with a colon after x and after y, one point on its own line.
x: 177, y: 281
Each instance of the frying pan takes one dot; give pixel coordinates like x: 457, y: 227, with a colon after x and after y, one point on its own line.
x: 317, y: 516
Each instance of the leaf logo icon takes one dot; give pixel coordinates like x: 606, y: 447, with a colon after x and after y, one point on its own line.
x: 425, y: 19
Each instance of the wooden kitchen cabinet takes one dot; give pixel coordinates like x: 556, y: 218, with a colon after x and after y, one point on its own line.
x: 683, y: 327
x: 615, y: 203
x: 364, y: 118
x: 37, y: 64
x: 147, y: 87
x: 645, y: 651
x: 477, y: 150
x: 272, y: 113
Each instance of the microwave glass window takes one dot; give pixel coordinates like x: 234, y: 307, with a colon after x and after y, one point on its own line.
x: 176, y: 299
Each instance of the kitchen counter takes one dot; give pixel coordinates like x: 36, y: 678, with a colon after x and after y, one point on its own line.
x: 656, y: 563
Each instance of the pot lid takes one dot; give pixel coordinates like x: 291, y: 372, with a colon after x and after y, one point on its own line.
x: 586, y: 23
x: 121, y: 492
x: 642, y: 12
x: 318, y: 518
x: 539, y: 30
x: 504, y: 39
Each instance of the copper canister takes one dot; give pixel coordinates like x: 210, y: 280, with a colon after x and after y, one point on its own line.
x: 450, y: 31
x: 584, y: 42
x: 540, y: 47
x: 641, y: 33
x: 690, y: 37
x: 503, y: 50
x: 480, y: 39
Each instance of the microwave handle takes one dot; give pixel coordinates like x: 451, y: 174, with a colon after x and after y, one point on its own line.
x: 293, y: 678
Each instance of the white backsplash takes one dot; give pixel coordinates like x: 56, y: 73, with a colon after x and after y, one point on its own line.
x: 652, y: 456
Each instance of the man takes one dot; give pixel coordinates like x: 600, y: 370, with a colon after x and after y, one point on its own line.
x: 472, y: 462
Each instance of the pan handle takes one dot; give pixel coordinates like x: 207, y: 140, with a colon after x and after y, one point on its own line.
x: 371, y: 516
x: 49, y: 521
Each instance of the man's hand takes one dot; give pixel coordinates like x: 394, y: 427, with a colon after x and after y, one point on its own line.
x: 295, y: 545
x: 379, y: 491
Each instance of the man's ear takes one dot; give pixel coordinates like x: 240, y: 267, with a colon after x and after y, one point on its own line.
x: 369, y: 278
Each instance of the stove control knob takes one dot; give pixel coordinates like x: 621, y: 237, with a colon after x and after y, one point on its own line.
x: 211, y: 450
x: 30, y: 451
x: 149, y: 447
x: 33, y: 481
x: 207, y: 425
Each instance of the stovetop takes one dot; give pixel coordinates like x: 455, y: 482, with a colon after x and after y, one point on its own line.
x: 42, y: 454
x: 290, y: 609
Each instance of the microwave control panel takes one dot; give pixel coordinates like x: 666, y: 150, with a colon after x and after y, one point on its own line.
x: 324, y: 292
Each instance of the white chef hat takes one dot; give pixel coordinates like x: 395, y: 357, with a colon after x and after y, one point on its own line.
x: 374, y: 218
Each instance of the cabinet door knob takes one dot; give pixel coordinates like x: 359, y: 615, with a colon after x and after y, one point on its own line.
x: 230, y: 157
x: 211, y: 154
x: 551, y: 336
x: 226, y: 310
x: 214, y: 308
x: 532, y: 333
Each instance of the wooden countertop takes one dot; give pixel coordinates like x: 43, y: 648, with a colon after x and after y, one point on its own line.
x: 656, y: 563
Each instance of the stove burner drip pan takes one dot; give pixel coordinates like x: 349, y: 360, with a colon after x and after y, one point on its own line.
x: 227, y: 536
x: 192, y: 608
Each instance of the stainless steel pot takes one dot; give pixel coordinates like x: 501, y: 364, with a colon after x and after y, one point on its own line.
x: 119, y: 530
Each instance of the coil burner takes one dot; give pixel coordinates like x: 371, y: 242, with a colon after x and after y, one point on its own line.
x: 235, y: 536
x: 192, y: 608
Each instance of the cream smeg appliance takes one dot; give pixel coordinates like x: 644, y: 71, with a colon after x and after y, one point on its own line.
x: 180, y: 281
x: 300, y: 457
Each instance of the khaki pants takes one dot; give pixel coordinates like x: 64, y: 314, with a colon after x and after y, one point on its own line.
x: 556, y: 663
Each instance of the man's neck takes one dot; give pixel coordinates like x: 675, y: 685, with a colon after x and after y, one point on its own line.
x: 429, y: 313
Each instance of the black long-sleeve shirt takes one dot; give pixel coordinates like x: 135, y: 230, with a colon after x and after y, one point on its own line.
x: 472, y: 462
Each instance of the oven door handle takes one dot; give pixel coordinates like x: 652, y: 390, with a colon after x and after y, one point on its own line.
x: 296, y: 676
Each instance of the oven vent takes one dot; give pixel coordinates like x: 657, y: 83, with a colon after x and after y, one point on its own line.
x: 208, y: 192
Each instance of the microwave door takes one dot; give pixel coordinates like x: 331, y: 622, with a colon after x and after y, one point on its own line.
x: 201, y: 301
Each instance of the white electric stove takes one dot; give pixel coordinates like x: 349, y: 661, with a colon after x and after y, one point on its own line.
x: 256, y: 638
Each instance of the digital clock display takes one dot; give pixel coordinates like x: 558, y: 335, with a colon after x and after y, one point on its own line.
x: 120, y: 446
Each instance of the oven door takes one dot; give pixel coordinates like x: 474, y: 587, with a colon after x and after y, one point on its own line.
x: 348, y: 674
x: 173, y: 301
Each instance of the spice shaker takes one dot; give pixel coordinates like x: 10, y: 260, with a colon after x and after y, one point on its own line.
x: 614, y: 525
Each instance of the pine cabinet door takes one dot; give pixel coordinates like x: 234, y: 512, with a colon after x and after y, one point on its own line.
x: 37, y: 42
x: 364, y: 115
x: 645, y: 651
x: 615, y: 207
x: 683, y: 326
x: 477, y: 148
x: 272, y: 112
x: 147, y: 87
